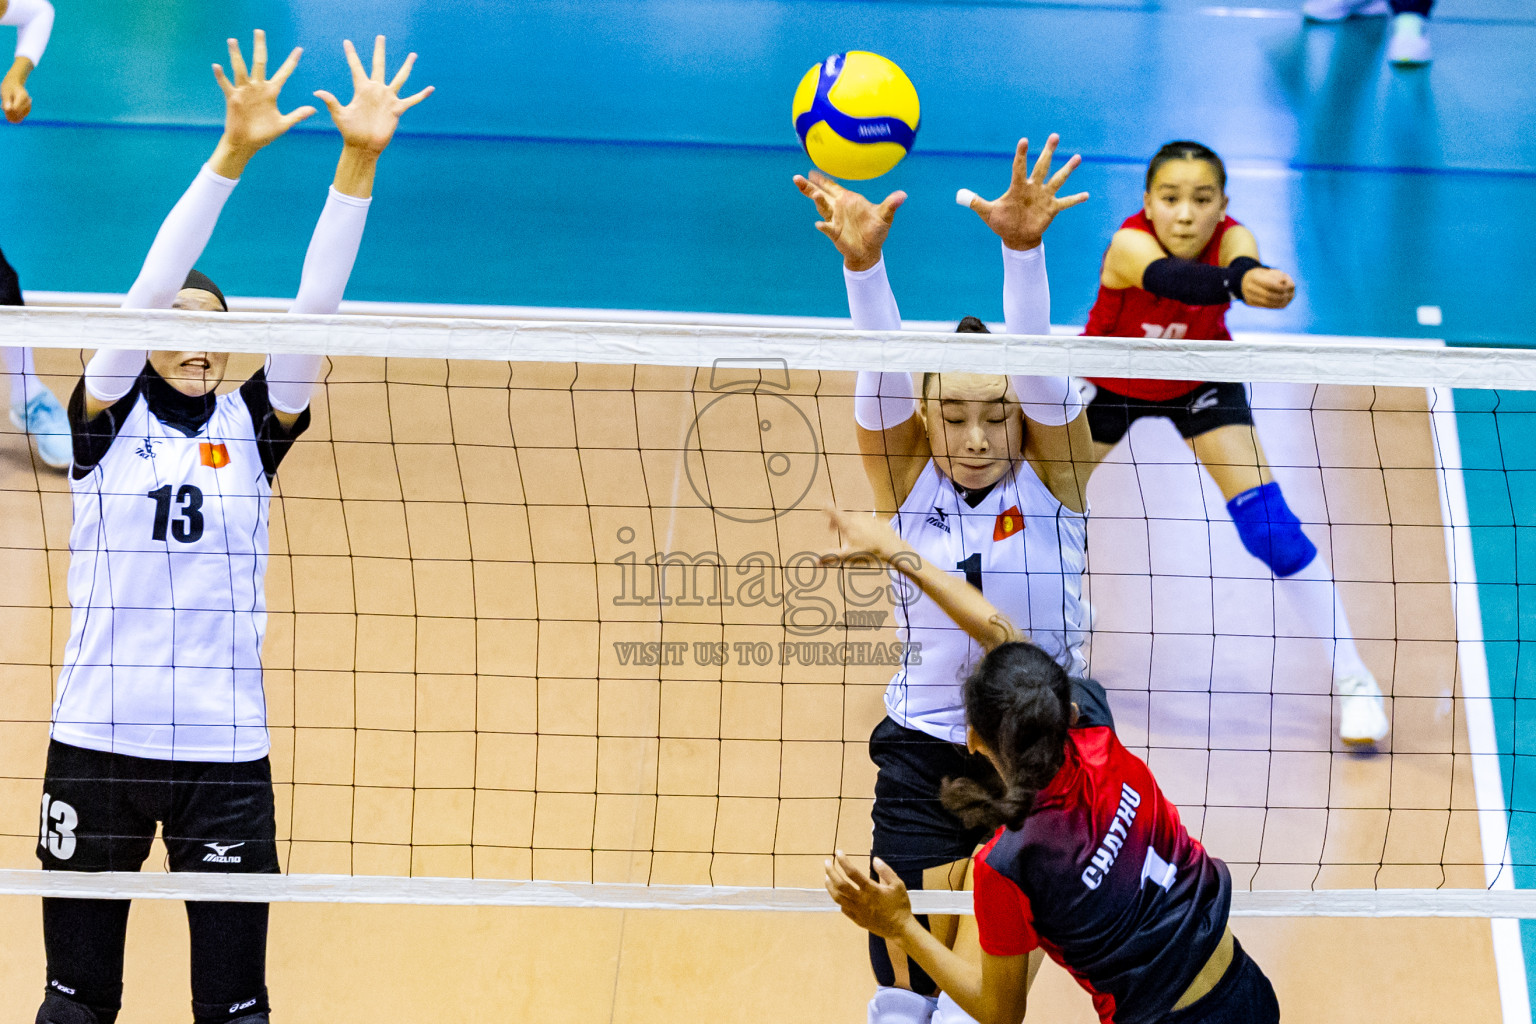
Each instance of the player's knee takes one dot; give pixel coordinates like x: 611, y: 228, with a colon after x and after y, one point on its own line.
x: 900, y: 1006
x: 1270, y: 530
x: 947, y: 1011
x: 58, y: 1008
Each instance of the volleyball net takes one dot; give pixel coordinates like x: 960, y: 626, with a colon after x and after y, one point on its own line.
x: 547, y: 624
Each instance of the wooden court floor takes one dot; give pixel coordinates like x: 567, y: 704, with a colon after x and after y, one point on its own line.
x: 452, y: 692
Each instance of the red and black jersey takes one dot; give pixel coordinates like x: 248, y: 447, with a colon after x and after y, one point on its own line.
x: 1137, y: 313
x: 1105, y: 878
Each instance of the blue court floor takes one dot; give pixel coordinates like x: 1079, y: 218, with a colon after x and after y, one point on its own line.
x: 638, y: 154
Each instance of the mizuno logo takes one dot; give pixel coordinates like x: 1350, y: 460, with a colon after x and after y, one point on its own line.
x: 146, y: 450
x: 939, y: 521
x: 220, y: 854
x: 1206, y: 401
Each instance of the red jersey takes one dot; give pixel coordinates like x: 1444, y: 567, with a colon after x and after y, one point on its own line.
x: 1137, y: 313
x: 1105, y: 878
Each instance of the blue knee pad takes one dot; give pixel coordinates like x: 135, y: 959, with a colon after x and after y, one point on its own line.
x: 1270, y: 530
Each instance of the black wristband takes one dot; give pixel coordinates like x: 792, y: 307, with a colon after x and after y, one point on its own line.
x: 1235, y: 272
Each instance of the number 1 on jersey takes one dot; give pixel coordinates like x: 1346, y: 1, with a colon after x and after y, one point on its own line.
x: 188, y: 527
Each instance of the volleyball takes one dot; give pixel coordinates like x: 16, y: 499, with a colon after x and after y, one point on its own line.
x: 856, y: 114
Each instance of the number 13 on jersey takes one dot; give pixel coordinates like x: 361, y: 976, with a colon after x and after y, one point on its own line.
x: 188, y: 525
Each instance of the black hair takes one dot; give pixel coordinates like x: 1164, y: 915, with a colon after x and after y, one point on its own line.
x: 1019, y: 702
x: 1186, y: 150
x: 970, y: 325
x: 202, y: 282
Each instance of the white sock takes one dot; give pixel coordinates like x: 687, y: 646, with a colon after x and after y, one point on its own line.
x: 19, y: 368
x: 1307, y: 605
x: 899, y: 1006
x: 948, y: 1012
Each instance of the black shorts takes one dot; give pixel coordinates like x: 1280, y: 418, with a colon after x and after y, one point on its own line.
x: 913, y: 830
x: 1242, y: 996
x: 99, y: 813
x: 1207, y: 407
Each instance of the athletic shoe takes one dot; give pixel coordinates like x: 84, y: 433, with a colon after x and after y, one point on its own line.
x: 1409, y: 46
x: 44, y: 418
x: 1362, y: 715
x: 1338, y: 10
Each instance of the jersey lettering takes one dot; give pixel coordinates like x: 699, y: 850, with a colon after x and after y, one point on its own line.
x: 1114, y: 839
x: 188, y: 527
x: 1174, y: 331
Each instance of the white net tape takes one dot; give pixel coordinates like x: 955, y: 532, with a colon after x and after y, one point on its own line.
x: 1299, y: 360
x: 498, y: 893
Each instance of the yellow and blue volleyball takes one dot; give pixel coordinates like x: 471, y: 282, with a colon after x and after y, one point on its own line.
x: 856, y: 114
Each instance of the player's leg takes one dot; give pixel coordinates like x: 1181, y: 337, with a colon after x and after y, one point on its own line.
x: 1223, y: 438
x: 93, y: 819
x: 1338, y: 10
x: 924, y: 844
x: 1410, y: 33
x: 222, y: 819
x: 33, y: 407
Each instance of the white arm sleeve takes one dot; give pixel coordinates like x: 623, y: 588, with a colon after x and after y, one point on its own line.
x: 180, y: 242
x: 34, y: 23
x: 1051, y: 401
x: 327, y: 266
x: 880, y: 400
x: 111, y: 372
x: 871, y: 303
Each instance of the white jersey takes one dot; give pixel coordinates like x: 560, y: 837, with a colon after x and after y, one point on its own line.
x: 1023, y: 548
x: 168, y: 560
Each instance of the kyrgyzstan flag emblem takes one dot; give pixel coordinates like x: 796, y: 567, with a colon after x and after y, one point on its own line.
x: 215, y: 456
x: 1008, y: 523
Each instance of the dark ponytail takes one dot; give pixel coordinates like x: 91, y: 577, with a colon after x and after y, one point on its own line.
x: 1186, y: 150
x: 1019, y: 702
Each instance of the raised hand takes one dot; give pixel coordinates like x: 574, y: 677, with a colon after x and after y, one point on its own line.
x: 1021, y: 215
x: 1268, y: 288
x: 369, y: 121
x: 879, y: 905
x: 856, y: 226
x: 251, y: 117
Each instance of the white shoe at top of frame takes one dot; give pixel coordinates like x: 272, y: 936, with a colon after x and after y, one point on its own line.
x: 1338, y: 10
x: 1409, y: 45
x: 1362, y: 712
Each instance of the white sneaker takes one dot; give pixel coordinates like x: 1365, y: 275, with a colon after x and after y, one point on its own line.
x: 1362, y: 712
x: 1409, y: 45
x: 44, y: 418
x: 1338, y: 10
